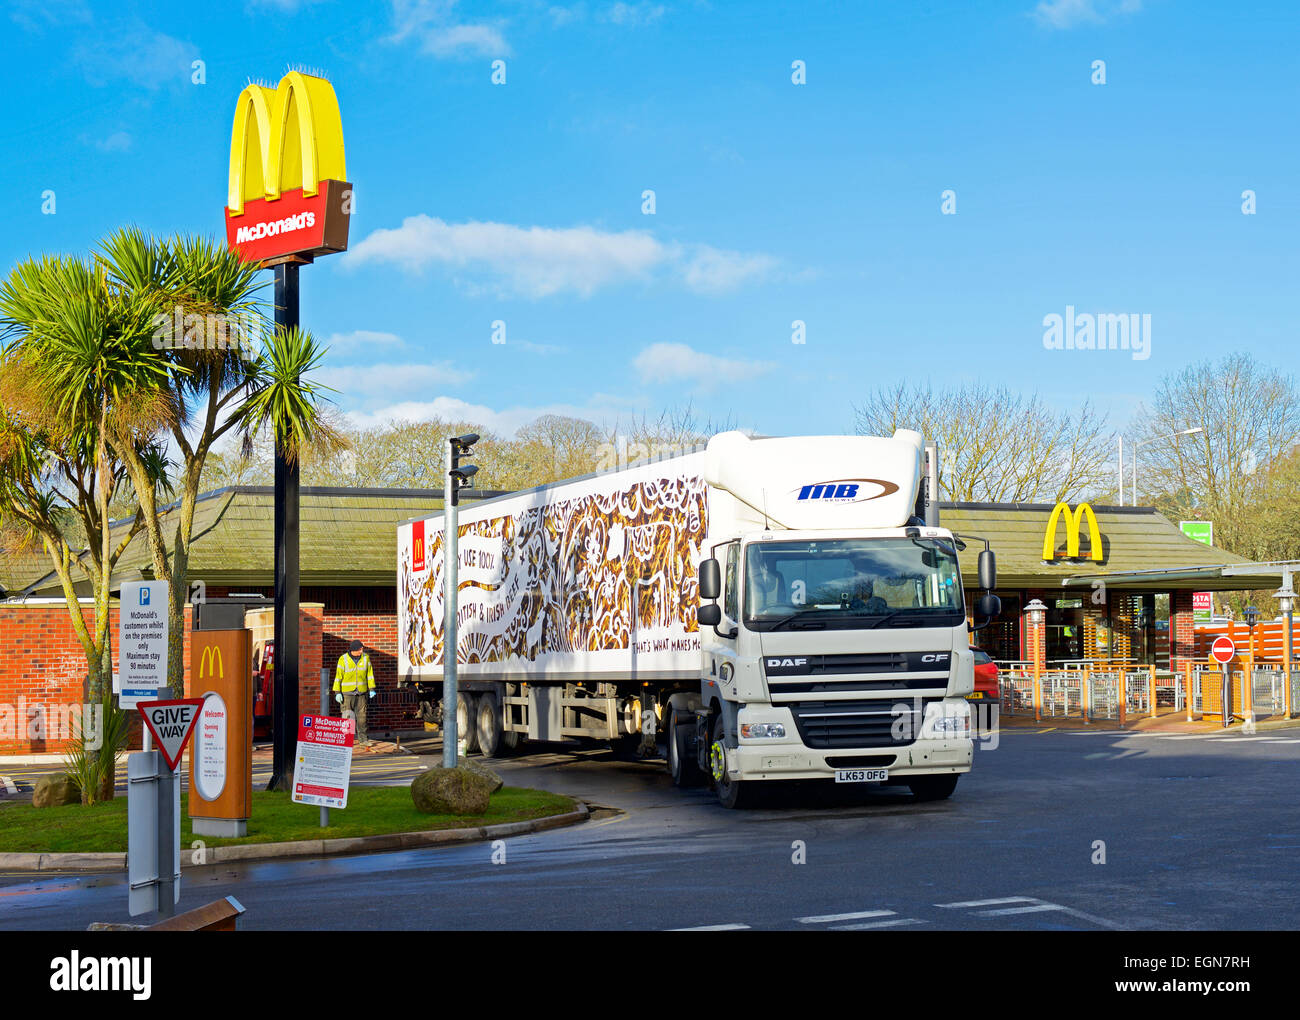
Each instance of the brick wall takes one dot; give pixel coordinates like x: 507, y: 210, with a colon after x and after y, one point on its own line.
x: 369, y: 615
x: 43, y: 664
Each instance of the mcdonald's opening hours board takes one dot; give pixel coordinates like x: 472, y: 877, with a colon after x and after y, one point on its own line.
x: 323, y: 764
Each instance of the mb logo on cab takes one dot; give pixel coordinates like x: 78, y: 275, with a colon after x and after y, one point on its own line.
x: 846, y: 489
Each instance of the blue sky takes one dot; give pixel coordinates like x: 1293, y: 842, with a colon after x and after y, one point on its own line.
x: 775, y: 202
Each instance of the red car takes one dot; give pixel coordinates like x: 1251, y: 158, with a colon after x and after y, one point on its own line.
x: 986, y: 678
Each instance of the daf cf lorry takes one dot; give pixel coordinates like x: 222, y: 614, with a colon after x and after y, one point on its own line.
x: 777, y: 607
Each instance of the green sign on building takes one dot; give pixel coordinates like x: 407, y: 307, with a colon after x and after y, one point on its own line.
x: 1202, y: 601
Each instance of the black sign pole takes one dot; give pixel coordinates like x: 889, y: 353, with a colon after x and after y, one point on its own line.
x: 284, y: 724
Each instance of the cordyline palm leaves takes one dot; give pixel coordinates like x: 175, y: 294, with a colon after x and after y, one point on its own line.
x: 75, y: 364
x: 150, y: 345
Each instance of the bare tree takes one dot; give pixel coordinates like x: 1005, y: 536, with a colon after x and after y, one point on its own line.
x: 998, y: 445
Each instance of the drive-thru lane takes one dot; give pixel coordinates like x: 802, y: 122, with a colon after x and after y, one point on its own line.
x: 1196, y: 833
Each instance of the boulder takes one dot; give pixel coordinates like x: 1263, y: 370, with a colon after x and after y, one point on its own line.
x: 479, y: 769
x: 55, y: 791
x: 457, y: 791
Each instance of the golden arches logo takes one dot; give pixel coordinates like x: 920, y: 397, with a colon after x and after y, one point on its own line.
x: 211, y: 665
x: 287, y: 137
x: 1073, y: 521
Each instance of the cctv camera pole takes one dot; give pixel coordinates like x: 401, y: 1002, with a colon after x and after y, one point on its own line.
x: 450, y: 587
x: 284, y: 711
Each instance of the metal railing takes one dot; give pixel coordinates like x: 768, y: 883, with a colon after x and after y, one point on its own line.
x: 1120, y: 691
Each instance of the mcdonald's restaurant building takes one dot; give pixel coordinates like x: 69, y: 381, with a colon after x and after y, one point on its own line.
x: 1120, y: 590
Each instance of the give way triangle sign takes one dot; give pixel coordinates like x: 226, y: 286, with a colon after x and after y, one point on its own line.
x: 171, y: 723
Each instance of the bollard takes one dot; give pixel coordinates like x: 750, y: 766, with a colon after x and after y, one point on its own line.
x: 1085, y: 697
x: 1187, y: 681
x: 1151, y: 689
x: 1122, y: 685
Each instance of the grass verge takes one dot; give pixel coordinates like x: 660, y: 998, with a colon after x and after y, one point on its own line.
x: 274, y: 818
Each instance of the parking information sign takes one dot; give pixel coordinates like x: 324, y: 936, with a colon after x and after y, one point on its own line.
x: 141, y: 641
x: 324, y: 761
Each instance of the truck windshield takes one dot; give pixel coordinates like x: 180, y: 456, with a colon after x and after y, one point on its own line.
x: 853, y: 583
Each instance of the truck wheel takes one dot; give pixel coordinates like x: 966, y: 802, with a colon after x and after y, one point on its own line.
x: 466, y: 722
x: 681, y: 756
x: 489, y: 725
x: 732, y: 793
x: 933, y: 787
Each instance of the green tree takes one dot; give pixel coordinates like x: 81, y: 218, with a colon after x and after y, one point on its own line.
x: 76, y: 349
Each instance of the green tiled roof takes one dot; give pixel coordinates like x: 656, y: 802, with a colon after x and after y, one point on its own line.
x: 346, y: 537
x: 20, y: 568
x: 349, y: 537
x: 1132, y: 538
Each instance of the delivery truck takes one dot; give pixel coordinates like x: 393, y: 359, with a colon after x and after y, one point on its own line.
x: 776, y: 608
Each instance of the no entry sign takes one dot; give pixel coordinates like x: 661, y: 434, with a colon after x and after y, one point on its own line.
x: 1223, y: 650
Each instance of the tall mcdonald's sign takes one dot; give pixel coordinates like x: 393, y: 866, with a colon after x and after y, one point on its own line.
x: 288, y: 192
x: 1073, y: 521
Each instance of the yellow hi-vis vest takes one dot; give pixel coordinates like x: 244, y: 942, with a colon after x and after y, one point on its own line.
x: 354, y: 675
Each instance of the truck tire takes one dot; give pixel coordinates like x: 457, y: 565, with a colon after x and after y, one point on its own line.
x: 681, y: 756
x: 466, y: 720
x: 732, y: 793
x: 933, y: 787
x: 490, y: 725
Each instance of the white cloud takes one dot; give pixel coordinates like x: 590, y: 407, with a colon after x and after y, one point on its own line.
x: 1068, y: 13
x: 711, y: 270
x: 674, y: 363
x: 440, y: 32
x: 632, y: 14
x: 532, y: 261
x: 136, y: 53
x: 505, y: 422
x: 387, y: 381
x: 362, y: 340
x: 538, y: 262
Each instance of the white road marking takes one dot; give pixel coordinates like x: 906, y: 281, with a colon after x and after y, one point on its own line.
x: 828, y: 918
x: 1035, y: 909
x: 987, y: 903
x: 877, y: 924
x: 714, y: 927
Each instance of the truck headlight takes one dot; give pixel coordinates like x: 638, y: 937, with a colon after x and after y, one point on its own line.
x: 751, y: 731
x: 946, y: 722
x: 951, y: 727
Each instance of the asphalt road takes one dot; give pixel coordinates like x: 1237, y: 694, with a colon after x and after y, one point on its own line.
x: 1198, y: 832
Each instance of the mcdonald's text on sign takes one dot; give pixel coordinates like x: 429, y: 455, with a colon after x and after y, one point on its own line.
x: 417, y: 546
x: 171, y: 723
x: 288, y: 192
x: 323, y: 765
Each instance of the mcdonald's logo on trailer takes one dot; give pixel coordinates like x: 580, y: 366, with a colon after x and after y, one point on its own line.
x: 1073, y: 522
x: 288, y: 191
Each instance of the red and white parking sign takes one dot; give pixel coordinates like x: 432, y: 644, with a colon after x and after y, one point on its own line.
x: 323, y: 764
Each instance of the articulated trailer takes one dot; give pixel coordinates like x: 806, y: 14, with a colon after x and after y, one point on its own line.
x: 776, y: 609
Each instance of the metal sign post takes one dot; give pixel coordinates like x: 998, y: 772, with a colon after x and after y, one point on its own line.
x: 450, y: 588
x: 154, y: 807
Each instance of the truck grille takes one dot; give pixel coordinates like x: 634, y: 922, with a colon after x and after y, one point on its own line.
x: 836, y: 724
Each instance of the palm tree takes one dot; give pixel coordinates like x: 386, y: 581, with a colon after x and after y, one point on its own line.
x: 74, y: 369
x: 212, y: 379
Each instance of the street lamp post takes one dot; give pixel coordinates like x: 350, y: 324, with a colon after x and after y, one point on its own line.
x: 1286, y: 602
x: 1138, y: 443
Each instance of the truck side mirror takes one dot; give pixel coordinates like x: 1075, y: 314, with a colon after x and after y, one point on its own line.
x: 989, y: 605
x: 988, y: 570
x: 709, y: 615
x: 710, y: 579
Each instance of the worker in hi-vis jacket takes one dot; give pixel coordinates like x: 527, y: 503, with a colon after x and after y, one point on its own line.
x: 354, y: 685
